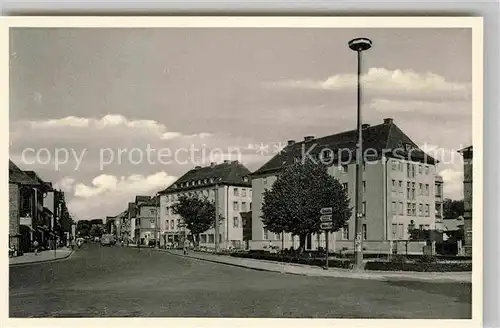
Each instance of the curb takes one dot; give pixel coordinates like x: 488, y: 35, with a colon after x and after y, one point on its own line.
x: 379, y: 277
x: 235, y: 265
x: 41, y: 261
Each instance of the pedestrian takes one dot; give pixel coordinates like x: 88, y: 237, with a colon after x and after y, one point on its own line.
x: 186, y: 245
x: 35, y: 246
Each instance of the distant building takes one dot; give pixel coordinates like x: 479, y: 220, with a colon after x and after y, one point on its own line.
x: 467, y: 154
x: 399, y: 186
x: 230, y: 181
x: 146, y: 226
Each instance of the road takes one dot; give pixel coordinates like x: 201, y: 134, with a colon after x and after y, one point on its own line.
x: 127, y: 282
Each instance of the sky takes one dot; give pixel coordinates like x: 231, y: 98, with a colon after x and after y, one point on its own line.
x: 107, y: 114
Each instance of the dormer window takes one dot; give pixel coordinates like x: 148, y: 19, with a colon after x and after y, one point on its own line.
x: 408, y: 146
x: 245, y: 179
x: 212, y: 180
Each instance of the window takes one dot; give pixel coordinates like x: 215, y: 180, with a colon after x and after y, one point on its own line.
x: 408, y: 193
x: 244, y: 206
x: 394, y: 230
x: 264, y: 180
x: 438, y: 190
x: 393, y: 185
x: 394, y: 209
x: 236, y: 222
x: 345, y: 232
x: 427, y: 227
x: 236, y: 192
x: 235, y: 206
x: 166, y: 224
x: 203, y: 239
x: 420, y: 169
x: 395, y: 165
x: 344, y: 185
x: 344, y: 168
x: 426, y: 209
x: 245, y: 179
x: 211, y: 238
x: 277, y: 236
x: 401, y: 209
x: 427, y: 189
x: 364, y: 231
x: 420, y: 209
x: 178, y: 223
x: 152, y: 224
x: 426, y: 170
x: 364, y: 186
x: 408, y: 170
x: 172, y: 224
x: 401, y: 190
x: 400, y: 231
x: 265, y: 234
x: 408, y: 209
x: 421, y: 189
x: 364, y: 208
x: 421, y: 227
x: 152, y: 212
x: 243, y: 192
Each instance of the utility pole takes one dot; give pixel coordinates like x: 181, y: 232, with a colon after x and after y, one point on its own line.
x: 216, y: 228
x: 359, y: 45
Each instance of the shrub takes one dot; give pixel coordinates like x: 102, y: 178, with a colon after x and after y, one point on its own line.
x: 419, y: 267
x: 426, y: 258
x: 398, y: 259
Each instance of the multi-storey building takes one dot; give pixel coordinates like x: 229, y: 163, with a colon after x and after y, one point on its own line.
x: 399, y: 182
x: 234, y: 195
x: 146, y: 226
x: 19, y: 183
x: 467, y: 154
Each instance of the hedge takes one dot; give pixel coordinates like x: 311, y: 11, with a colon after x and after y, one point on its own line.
x: 418, y: 267
x: 333, y: 263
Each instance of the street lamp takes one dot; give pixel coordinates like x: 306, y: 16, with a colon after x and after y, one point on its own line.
x: 359, y: 45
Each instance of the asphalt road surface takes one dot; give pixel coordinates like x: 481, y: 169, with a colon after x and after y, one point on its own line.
x: 101, y: 281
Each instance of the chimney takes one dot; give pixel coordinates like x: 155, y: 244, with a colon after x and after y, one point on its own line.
x: 291, y: 142
x: 308, y: 138
x: 388, y: 120
x: 197, y: 167
x: 226, y: 161
x: 234, y: 162
x: 212, y: 164
x: 365, y: 126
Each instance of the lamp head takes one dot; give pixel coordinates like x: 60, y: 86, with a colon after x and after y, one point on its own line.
x: 360, y: 44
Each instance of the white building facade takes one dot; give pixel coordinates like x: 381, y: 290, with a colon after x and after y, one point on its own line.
x: 398, y: 191
x: 234, y: 195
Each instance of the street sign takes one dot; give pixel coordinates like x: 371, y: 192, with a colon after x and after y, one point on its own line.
x: 326, y: 210
x: 326, y: 218
x: 326, y: 225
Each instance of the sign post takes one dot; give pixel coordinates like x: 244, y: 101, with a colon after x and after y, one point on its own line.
x: 326, y: 224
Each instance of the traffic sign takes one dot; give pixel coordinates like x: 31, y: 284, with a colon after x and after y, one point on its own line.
x: 326, y: 210
x: 326, y: 218
x: 326, y: 225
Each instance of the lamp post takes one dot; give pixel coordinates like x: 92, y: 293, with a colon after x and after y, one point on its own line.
x: 216, y: 227
x: 157, y: 213
x: 359, y: 45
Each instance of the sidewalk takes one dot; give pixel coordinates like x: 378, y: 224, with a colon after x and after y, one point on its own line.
x: 306, y: 270
x: 45, y: 256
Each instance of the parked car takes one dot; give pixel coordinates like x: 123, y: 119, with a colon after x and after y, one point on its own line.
x: 108, y: 240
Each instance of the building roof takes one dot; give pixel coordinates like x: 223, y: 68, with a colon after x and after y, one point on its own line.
x: 47, y: 186
x: 139, y: 199
x: 18, y: 176
x: 386, y: 138
x: 131, y: 209
x: 231, y: 173
x: 151, y: 202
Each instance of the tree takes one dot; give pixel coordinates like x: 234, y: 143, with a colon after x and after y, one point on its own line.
x: 452, y: 209
x: 198, y: 215
x: 97, y: 230
x: 294, y: 202
x: 96, y: 221
x: 83, y: 228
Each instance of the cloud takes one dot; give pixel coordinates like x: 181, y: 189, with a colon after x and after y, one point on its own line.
x: 112, y: 121
x: 66, y: 184
x: 383, y: 80
x: 421, y: 107
x: 453, y: 182
x: 109, y: 194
